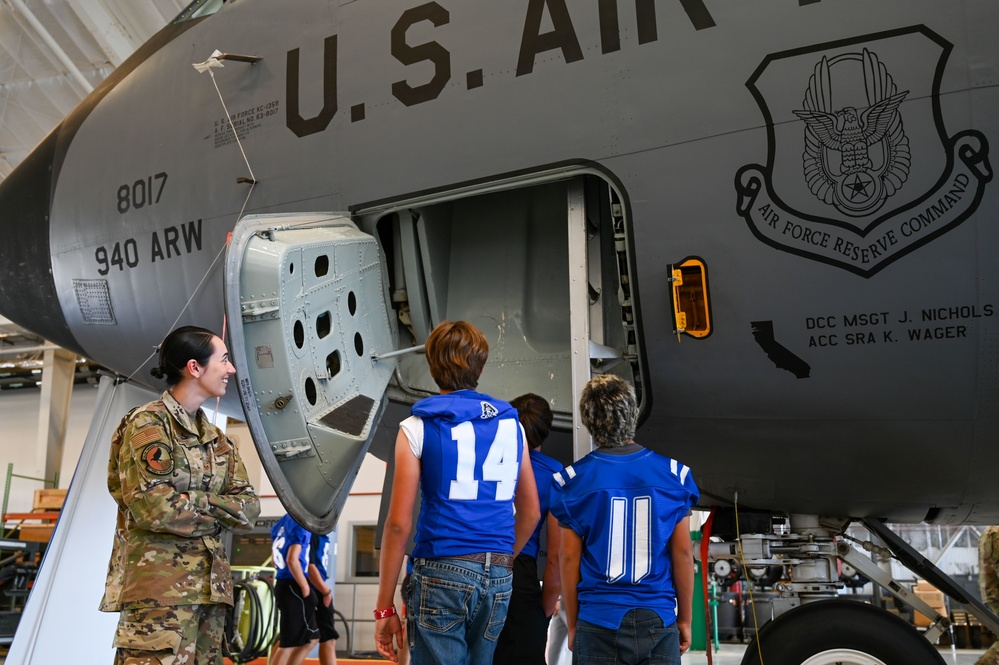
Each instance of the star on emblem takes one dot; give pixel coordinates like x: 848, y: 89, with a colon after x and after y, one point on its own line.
x: 859, y: 185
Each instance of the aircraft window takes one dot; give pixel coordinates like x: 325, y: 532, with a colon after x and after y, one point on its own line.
x: 691, y: 312
x: 310, y: 391
x: 199, y: 8
x: 333, y: 364
x: 364, y: 562
x: 352, y: 303
x: 358, y: 344
x: 324, y: 324
x: 322, y: 265
x: 299, y: 334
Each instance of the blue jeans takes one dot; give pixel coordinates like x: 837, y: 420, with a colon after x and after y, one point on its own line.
x: 457, y: 610
x: 641, y: 639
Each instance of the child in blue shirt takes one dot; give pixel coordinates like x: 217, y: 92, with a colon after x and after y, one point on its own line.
x: 290, y: 555
x: 525, y: 634
x: 626, y: 555
x: 467, y: 453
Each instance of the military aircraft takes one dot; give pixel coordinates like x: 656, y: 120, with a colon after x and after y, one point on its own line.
x: 775, y: 217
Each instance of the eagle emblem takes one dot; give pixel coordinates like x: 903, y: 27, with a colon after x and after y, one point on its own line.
x: 158, y: 458
x: 854, y: 158
x: 860, y: 170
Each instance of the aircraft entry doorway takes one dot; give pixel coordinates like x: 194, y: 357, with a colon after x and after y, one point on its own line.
x: 541, y: 265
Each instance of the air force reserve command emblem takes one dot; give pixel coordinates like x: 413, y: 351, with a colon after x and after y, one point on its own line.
x: 860, y: 170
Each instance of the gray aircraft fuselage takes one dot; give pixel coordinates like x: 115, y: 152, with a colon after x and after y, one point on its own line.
x: 827, y: 161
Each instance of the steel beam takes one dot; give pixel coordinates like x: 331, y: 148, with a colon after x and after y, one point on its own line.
x: 53, y: 45
x: 57, y: 389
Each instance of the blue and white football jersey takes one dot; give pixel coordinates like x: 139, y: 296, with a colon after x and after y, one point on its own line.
x: 470, y: 460
x: 544, y: 476
x: 285, y: 533
x: 624, y: 507
x: 319, y: 553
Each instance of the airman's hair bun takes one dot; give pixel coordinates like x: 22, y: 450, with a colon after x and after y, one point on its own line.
x: 180, y: 347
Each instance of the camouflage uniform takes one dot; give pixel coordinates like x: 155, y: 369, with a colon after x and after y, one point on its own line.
x: 988, y: 583
x: 169, y: 574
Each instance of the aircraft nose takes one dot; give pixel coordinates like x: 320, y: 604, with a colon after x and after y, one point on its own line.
x: 28, y: 294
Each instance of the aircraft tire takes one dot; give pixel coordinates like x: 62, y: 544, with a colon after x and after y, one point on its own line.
x: 840, y: 632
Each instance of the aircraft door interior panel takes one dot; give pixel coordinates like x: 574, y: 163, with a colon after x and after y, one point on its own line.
x: 308, y: 318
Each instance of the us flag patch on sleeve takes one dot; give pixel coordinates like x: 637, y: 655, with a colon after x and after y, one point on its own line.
x: 144, y: 436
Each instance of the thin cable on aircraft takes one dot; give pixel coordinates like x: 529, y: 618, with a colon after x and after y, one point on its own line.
x: 749, y: 582
x: 207, y: 66
x: 202, y: 67
x: 182, y: 310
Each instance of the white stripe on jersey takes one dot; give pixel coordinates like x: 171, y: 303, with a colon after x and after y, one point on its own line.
x: 616, y: 542
x: 642, y: 535
x: 679, y: 470
x: 569, y: 472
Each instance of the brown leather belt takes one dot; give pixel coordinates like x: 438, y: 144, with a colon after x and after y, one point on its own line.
x: 505, y: 560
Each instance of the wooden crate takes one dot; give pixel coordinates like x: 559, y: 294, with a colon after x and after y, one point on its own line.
x: 932, y: 597
x: 36, y: 533
x: 49, y: 499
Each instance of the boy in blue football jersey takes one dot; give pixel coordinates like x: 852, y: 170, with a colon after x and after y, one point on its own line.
x: 466, y: 452
x: 290, y: 556
x: 319, y: 562
x: 626, y: 556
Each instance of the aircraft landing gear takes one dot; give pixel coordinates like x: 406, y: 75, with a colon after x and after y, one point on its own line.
x: 813, y: 624
x: 840, y: 632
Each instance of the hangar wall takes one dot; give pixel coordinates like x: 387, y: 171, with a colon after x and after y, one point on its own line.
x: 19, y: 414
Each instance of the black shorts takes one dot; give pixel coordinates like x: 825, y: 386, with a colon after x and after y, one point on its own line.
x: 324, y: 618
x: 298, y: 615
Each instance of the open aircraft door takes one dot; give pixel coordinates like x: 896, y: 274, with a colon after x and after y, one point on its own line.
x: 308, y: 319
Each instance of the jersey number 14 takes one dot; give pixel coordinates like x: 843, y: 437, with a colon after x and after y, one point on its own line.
x: 499, y: 466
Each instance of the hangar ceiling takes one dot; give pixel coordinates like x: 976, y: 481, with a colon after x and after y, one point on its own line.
x: 52, y: 54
